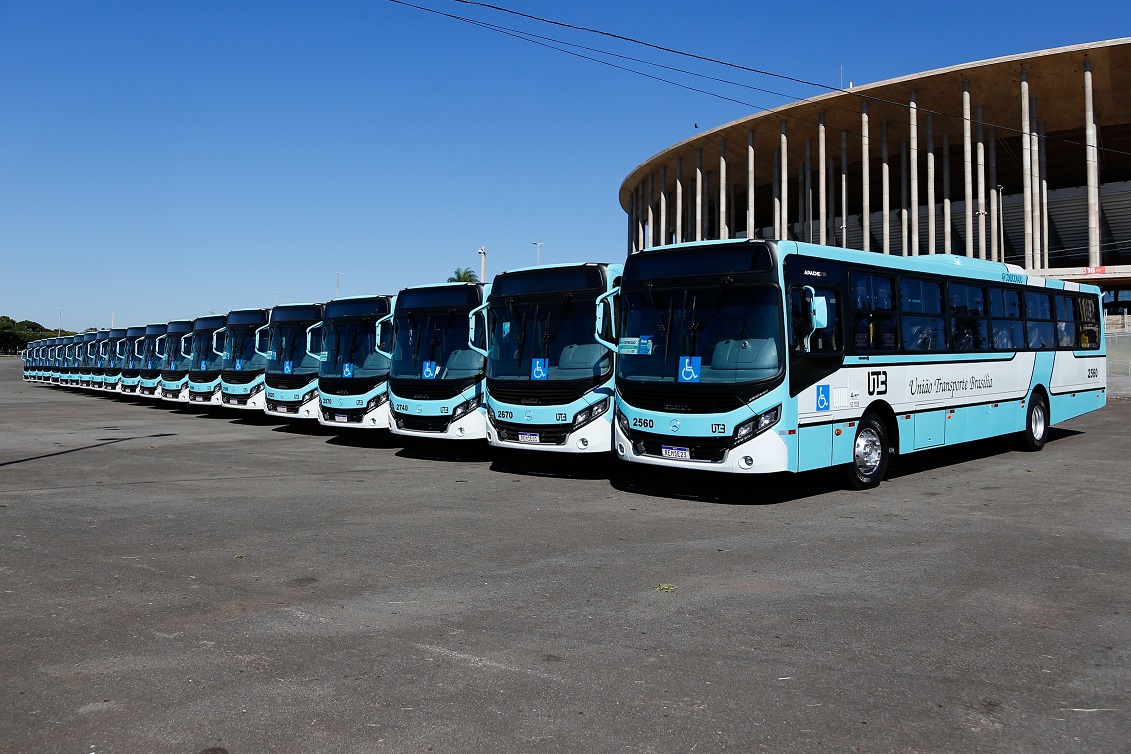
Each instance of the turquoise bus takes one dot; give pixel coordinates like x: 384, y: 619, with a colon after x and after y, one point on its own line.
x: 353, y: 363
x: 436, y: 376
x: 101, y: 357
x: 149, y: 360
x: 174, y: 360
x: 112, y: 359
x: 86, y: 358
x: 290, y: 376
x: 755, y: 356
x: 241, y: 373
x: 550, y: 358
x: 205, y: 359
x: 129, y: 359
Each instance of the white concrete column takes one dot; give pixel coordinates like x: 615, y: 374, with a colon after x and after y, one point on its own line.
x: 981, y: 156
x: 885, y: 216
x: 947, y: 225
x: 631, y: 223
x: 1044, y: 173
x: 1026, y: 171
x: 932, y: 210
x: 809, y: 190
x: 914, y: 113
x: 750, y: 226
x: 698, y: 194
x: 724, y: 228
x: 865, y: 185
x: 650, y: 237
x: 705, y: 230
x: 994, y: 199
x: 1091, y: 159
x: 663, y: 205
x: 830, y: 214
x: 904, y: 192
x: 784, y: 183
x: 822, y: 188
x: 1035, y: 176
x: 777, y: 184
x: 967, y: 171
x: 679, y: 236
x: 844, y: 188
x: 802, y: 204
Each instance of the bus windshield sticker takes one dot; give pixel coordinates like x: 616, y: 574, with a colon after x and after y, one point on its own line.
x: 690, y: 368
x: 641, y: 346
x: 239, y: 365
x: 538, y: 369
x: 347, y: 370
x: 823, y: 398
x: 429, y: 370
x: 288, y: 367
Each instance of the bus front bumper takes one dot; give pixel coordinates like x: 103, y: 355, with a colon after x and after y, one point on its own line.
x: 766, y: 453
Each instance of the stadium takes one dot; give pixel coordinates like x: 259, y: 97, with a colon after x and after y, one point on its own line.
x: 1024, y: 159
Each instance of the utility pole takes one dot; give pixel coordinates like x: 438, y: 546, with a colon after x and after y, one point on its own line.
x: 482, y: 264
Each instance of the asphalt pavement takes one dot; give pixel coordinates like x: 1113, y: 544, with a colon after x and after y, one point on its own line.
x: 176, y: 580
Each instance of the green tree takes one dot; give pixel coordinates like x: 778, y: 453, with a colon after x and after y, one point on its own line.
x: 464, y: 275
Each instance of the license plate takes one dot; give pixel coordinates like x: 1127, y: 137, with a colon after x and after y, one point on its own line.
x: 281, y: 409
x: 232, y: 401
x: 528, y: 437
x: 669, y: 451
x: 341, y: 418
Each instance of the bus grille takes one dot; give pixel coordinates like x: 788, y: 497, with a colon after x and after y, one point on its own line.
x: 422, y: 423
x: 289, y: 381
x: 232, y: 377
x: 548, y: 434
x: 199, y: 377
x: 427, y: 390
x: 701, y: 448
x: 532, y: 394
x: 682, y: 400
x: 172, y: 375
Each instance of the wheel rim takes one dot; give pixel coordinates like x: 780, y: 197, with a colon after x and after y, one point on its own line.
x: 868, y: 452
x: 1039, y: 423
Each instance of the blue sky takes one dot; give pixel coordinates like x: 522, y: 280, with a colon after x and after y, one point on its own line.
x: 161, y: 160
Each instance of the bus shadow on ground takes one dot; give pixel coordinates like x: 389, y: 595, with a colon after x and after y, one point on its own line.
x: 455, y: 451
x: 552, y: 465
x: 934, y: 460
x: 725, y: 489
x: 256, y: 419
x: 380, y: 439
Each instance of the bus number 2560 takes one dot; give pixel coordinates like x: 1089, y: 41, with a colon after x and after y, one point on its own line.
x: 645, y: 423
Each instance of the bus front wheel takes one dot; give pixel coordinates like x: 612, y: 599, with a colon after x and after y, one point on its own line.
x: 1036, y: 424
x: 870, y: 453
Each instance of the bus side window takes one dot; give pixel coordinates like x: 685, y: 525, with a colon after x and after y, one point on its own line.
x: 967, y: 310
x: 1039, y: 327
x: 827, y: 339
x: 1008, y: 329
x: 1088, y: 322
x: 924, y: 327
x: 873, y: 316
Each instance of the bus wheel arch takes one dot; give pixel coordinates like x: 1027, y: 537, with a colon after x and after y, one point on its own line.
x: 874, y: 446
x: 1038, y: 420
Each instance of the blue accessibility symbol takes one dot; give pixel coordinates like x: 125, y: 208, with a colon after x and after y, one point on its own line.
x: 239, y: 365
x: 429, y: 371
x: 347, y: 370
x: 538, y: 369
x: 689, y: 368
x: 288, y: 367
x: 823, y: 401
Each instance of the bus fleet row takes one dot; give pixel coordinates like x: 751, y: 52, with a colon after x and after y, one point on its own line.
x: 745, y: 356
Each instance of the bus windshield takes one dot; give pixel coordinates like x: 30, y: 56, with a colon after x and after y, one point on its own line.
x: 549, y: 337
x: 240, y: 354
x: 286, y: 350
x: 351, y: 349
x: 204, y: 359
x: 432, y: 344
x: 722, y: 332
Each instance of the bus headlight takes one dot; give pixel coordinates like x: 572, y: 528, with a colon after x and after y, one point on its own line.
x: 756, y: 425
x: 583, y: 417
x: 622, y: 422
x: 376, y: 401
x: 309, y: 396
x: 466, y: 407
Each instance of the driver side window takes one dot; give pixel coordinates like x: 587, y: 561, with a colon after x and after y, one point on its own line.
x: 826, y: 340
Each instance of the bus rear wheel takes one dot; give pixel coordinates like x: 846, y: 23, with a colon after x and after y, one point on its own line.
x: 870, y: 453
x: 1036, y: 424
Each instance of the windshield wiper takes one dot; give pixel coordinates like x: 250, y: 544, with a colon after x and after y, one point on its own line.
x: 552, y: 334
x: 710, y: 306
x: 438, y: 334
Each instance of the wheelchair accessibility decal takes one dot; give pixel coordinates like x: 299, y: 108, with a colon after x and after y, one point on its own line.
x: 429, y: 370
x: 347, y: 370
x: 689, y: 368
x: 823, y: 397
x: 538, y: 369
x: 288, y: 367
x: 239, y: 365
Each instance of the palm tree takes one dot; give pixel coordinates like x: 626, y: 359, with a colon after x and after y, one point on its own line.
x: 464, y: 275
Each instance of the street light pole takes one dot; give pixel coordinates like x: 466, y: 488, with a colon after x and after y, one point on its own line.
x: 337, y: 283
x: 482, y: 264
x: 538, y: 247
x: 60, y: 329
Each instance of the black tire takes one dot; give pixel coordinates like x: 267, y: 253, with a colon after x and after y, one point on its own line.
x: 870, y: 453
x: 1036, y: 430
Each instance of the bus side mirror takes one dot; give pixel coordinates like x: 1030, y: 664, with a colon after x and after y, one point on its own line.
x: 815, y: 314
x: 383, y: 331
